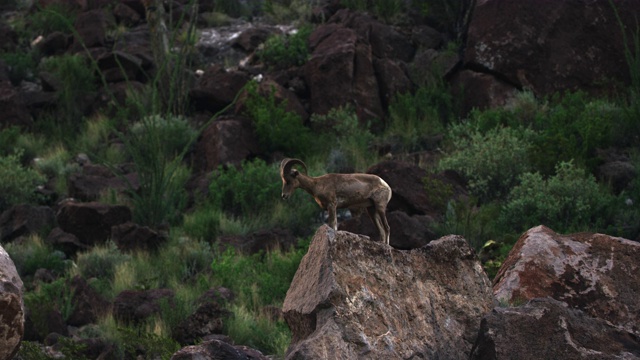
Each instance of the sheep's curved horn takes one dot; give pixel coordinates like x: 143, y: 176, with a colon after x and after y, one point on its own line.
x: 287, y: 164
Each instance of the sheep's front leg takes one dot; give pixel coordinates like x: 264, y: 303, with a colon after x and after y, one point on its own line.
x: 333, y: 218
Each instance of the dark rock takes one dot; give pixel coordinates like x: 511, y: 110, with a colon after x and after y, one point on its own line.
x: 91, y: 29
x: 270, y: 88
x: 130, y: 237
x: 134, y: 306
x: 216, y: 349
x: 88, y: 304
x: 9, y: 37
x: 595, y: 273
x: 12, y: 311
x: 340, y: 72
x: 24, y: 220
x: 91, y: 222
x: 119, y: 66
x: 13, y: 110
x: 227, y: 141
x: 578, y: 46
x: 65, y: 242
x: 250, y: 39
x: 217, y: 88
x: 126, y: 15
x: 95, y: 180
x: 55, y: 43
x: 261, y: 240
x: 393, y: 79
x: 409, y: 191
x: 206, y: 320
x: 481, y: 91
x: 547, y: 329
x: 354, y: 298
x: 407, y: 232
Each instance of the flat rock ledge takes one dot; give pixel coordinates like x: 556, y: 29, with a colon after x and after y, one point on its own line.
x: 353, y: 298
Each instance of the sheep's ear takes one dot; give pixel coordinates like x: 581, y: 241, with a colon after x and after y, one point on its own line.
x: 294, y: 173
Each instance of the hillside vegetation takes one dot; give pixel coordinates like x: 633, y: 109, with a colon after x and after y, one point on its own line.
x: 531, y: 162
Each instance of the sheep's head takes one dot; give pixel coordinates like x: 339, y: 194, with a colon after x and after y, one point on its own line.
x: 290, y: 175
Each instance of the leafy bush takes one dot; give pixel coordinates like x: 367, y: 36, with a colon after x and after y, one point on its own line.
x: 33, y: 254
x: 259, y: 279
x: 21, y: 66
x: 254, y: 192
x: 276, y: 128
x: 571, y: 200
x: 284, y: 51
x: 414, y: 118
x: 350, y: 148
x: 17, y: 183
x: 491, y: 162
x: 157, y: 146
x: 56, y: 295
x: 55, y: 17
x: 100, y: 262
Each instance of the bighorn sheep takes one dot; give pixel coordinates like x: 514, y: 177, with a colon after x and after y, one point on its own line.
x: 339, y: 191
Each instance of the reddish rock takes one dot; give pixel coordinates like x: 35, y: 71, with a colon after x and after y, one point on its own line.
x: 95, y: 180
x: 393, y: 79
x: 481, y: 91
x: 23, y: 220
x: 117, y: 66
x: 548, y: 329
x: 227, y: 141
x: 55, y: 43
x: 13, y: 110
x: 134, y: 306
x: 250, y: 39
x: 595, y: 273
x: 91, y: 29
x: 65, y: 242
x: 353, y: 298
x: 88, y: 304
x: 91, y: 222
x: 409, y: 192
x: 126, y: 15
x: 340, y: 72
x: 407, y: 232
x: 208, y: 319
x: 217, y: 349
x: 551, y: 46
x: 217, y: 88
x: 130, y: 237
x: 12, y: 311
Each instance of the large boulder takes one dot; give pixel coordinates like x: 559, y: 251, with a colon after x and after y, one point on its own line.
x: 227, y: 141
x: 11, y: 307
x: 355, y: 298
x: 217, y: 88
x: 91, y: 222
x: 595, y: 273
x: 552, y: 46
x: 548, y: 329
x: 23, y: 220
x: 340, y: 71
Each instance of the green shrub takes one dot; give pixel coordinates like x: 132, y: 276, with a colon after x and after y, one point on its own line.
x: 258, y: 330
x: 284, y: 51
x: 55, y: 17
x: 476, y: 224
x: 8, y: 140
x: 259, y: 279
x: 32, y: 254
x: 254, y: 192
x: 100, y: 262
x: 571, y: 200
x: 157, y: 145
x: 415, y: 118
x: 17, y: 183
x: 491, y: 162
x: 22, y: 66
x: 56, y: 295
x: 276, y: 128
x: 350, y: 142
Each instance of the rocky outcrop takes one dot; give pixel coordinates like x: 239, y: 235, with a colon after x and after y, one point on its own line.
x: 91, y: 222
x: 11, y: 307
x: 134, y: 306
x: 595, y: 273
x: 23, y: 220
x: 521, y: 333
x: 551, y: 47
x: 217, y: 349
x: 354, y: 298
